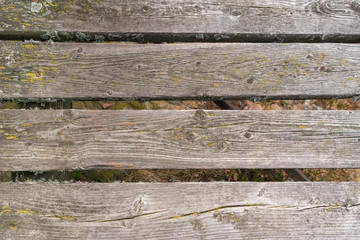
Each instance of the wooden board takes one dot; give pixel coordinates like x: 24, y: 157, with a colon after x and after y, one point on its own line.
x: 88, y: 139
x: 180, y: 211
x: 175, y: 20
x: 169, y: 71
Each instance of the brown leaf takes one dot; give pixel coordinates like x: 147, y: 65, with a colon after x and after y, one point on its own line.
x: 106, y: 105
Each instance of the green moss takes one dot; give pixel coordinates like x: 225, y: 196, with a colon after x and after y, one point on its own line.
x: 9, y: 105
x: 76, y: 176
x: 94, y: 176
x: 5, y: 176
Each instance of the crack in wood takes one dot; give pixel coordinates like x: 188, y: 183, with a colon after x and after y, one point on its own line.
x: 299, y: 208
x: 215, y: 209
x: 72, y: 218
x: 122, y: 219
x: 346, y: 206
x: 22, y: 211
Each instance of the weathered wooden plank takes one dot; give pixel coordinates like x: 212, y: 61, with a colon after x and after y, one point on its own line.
x: 180, y: 211
x: 168, y: 71
x: 80, y: 139
x: 217, y: 20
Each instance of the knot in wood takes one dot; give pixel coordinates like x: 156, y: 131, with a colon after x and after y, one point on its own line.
x: 197, y: 224
x: 222, y: 145
x: 138, y: 204
x: 247, y: 135
x: 189, y: 136
x: 200, y: 115
x: 67, y: 114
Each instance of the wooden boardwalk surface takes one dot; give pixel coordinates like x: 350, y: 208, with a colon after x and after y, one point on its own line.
x: 259, y: 50
x: 84, y: 139
x: 180, y: 211
x: 178, y: 71
x: 200, y: 20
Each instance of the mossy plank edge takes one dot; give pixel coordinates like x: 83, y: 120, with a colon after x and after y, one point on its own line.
x: 36, y: 71
x: 163, y: 37
x: 41, y: 140
x: 78, y: 19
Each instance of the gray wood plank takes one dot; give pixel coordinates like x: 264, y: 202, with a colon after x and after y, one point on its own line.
x: 180, y: 211
x: 218, y: 20
x: 169, y: 71
x: 88, y: 139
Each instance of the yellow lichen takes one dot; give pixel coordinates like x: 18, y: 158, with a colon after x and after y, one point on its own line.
x: 5, y: 211
x: 26, y: 211
x: 12, y: 138
x: 32, y: 77
x: 51, y: 4
x: 50, y: 68
x: 29, y: 45
x: 12, y: 227
x: 337, y: 205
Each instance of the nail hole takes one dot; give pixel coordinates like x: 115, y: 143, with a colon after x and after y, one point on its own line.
x: 250, y: 80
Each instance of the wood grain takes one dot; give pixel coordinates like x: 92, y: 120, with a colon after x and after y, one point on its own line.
x: 180, y: 211
x: 202, y: 20
x: 42, y: 140
x: 178, y: 71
